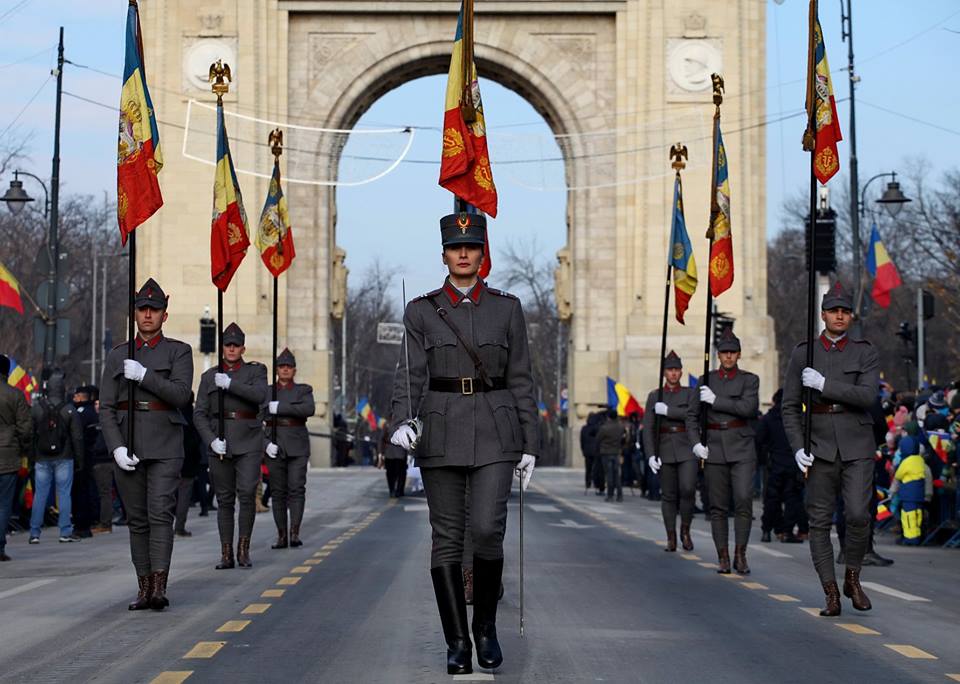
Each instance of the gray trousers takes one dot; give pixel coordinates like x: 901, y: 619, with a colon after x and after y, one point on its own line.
x: 446, y: 489
x: 611, y: 470
x: 288, y: 489
x: 184, y: 493
x: 678, y: 487
x: 149, y: 494
x: 724, y: 479
x: 853, y: 480
x: 103, y: 476
x: 235, y: 478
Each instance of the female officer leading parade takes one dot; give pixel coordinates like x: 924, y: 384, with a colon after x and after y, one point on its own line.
x: 469, y: 376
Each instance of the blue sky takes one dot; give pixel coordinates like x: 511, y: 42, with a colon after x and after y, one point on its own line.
x: 906, y: 59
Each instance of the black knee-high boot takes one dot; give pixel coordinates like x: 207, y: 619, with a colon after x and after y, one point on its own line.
x: 486, y: 593
x: 448, y: 586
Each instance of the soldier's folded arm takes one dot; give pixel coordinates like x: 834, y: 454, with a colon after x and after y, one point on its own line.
x: 256, y: 391
x: 174, y: 390
x: 201, y: 412
x: 109, y: 424
x: 648, y: 424
x: 304, y: 407
x: 693, y: 418
x: 747, y: 405
x: 864, y: 392
x: 792, y: 409
x: 520, y: 380
x: 418, y: 370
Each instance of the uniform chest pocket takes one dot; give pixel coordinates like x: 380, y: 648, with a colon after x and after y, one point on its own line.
x: 507, y: 421
x: 441, y: 349
x: 494, y: 350
x: 434, y: 413
x: 851, y: 374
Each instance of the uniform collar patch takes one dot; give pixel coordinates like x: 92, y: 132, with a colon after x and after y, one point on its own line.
x: 227, y: 366
x: 456, y: 296
x: 728, y: 374
x: 151, y: 343
x: 671, y: 390
x: 839, y: 344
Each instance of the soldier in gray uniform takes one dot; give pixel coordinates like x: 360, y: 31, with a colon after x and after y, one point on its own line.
x: 844, y: 381
x: 290, y: 453
x: 730, y: 456
x: 148, y: 474
x: 235, y: 459
x: 671, y: 456
x: 471, y: 384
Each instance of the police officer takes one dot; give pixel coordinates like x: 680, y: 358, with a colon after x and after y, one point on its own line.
x: 148, y: 473
x: 290, y: 453
x: 843, y: 380
x: 471, y: 384
x: 671, y: 456
x: 732, y: 398
x: 235, y: 458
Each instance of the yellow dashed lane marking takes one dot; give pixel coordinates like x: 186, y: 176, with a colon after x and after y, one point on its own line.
x: 754, y: 585
x: 856, y: 629
x: 287, y: 581
x: 911, y: 651
x: 301, y: 570
x: 233, y: 626
x: 660, y: 542
x: 815, y: 612
x: 732, y: 576
x: 954, y: 677
x: 321, y: 554
x: 786, y: 598
x: 173, y: 677
x: 272, y: 593
x: 707, y: 565
x: 205, y: 649
x: 256, y: 609
x: 690, y: 556
x: 313, y: 561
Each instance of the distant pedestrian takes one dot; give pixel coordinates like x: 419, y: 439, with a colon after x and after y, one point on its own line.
x: 394, y: 460
x: 16, y: 431
x: 610, y: 437
x: 783, y: 513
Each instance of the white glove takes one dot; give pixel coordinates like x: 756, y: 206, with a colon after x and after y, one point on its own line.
x: 707, y: 395
x: 273, y: 407
x: 222, y: 380
x: 701, y: 451
x: 804, y: 460
x: 813, y: 378
x: 133, y: 370
x: 123, y: 460
x: 272, y: 450
x: 219, y: 446
x: 654, y: 464
x: 660, y: 408
x: 404, y: 437
x: 525, y: 470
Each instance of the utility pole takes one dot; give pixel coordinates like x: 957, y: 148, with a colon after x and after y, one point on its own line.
x: 53, y: 242
x: 846, y: 29
x: 921, y: 340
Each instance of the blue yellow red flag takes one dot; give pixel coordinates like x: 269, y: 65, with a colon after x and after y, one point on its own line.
x: 21, y: 379
x: 139, y: 159
x: 274, y: 235
x: 882, y: 270
x: 721, y: 249
x: 365, y: 411
x: 465, y: 162
x: 620, y: 398
x: 821, y: 106
x: 681, y: 255
x: 229, y: 237
x: 10, y: 290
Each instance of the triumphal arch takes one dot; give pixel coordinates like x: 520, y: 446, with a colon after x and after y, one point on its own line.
x: 618, y: 81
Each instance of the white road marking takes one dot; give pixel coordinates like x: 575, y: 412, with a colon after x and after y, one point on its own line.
x: 544, y: 508
x: 416, y: 508
x: 768, y: 551
x: 26, y: 587
x: 605, y: 510
x: 896, y: 593
x: 476, y: 677
x: 573, y: 525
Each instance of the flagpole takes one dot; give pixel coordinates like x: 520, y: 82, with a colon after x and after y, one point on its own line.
x: 276, y: 146
x: 714, y: 210
x: 809, y: 143
x: 220, y: 87
x: 131, y: 340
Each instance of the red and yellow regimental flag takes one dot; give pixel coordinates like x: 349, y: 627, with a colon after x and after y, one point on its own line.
x: 721, y: 250
x: 274, y: 235
x: 138, y: 148
x: 465, y: 163
x: 822, y: 141
x: 229, y: 237
x: 10, y: 290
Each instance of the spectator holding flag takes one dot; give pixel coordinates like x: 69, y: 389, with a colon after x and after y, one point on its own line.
x: 15, y: 436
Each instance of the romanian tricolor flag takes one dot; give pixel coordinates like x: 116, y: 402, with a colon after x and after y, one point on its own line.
x: 619, y: 398
x: 721, y: 250
x: 229, y: 238
x: 138, y: 149
x: 881, y: 269
x: 821, y: 106
x: 274, y: 236
x: 465, y: 163
x: 10, y: 290
x: 681, y: 255
x: 940, y: 444
x: 22, y: 380
x: 365, y: 411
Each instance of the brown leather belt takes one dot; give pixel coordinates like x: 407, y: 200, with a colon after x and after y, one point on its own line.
x: 671, y: 429
x: 466, y: 385
x: 727, y: 425
x: 145, y: 406
x: 237, y: 415
x: 828, y: 408
x: 286, y: 422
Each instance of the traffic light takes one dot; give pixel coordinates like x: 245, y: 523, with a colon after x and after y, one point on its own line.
x: 720, y: 324
x: 208, y: 336
x: 905, y: 333
x: 928, y: 308
x: 825, y: 227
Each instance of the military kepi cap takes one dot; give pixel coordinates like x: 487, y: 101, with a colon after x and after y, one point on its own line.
x: 728, y: 341
x: 463, y: 229
x: 836, y: 298
x: 672, y: 360
x: 151, y: 296
x: 232, y: 334
x: 286, y: 358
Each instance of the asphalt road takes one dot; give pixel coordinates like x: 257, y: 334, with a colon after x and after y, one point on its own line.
x: 604, y: 603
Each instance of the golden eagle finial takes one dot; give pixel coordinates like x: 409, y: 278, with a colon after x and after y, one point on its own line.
x: 218, y: 72
x: 678, y: 153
